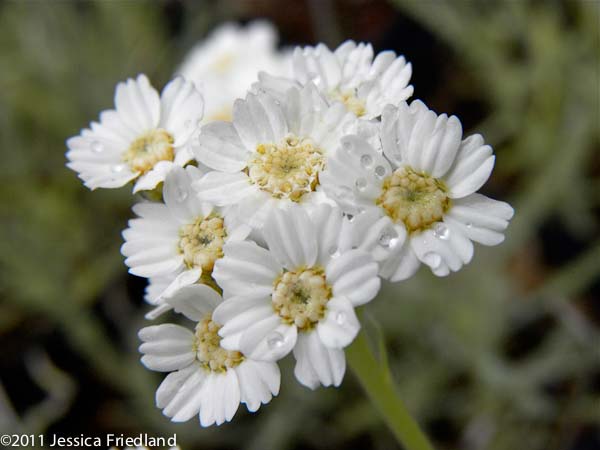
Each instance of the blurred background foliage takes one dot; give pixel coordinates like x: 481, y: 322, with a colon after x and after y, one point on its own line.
x: 503, y: 355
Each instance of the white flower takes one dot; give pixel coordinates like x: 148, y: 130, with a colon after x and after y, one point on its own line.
x: 271, y: 154
x: 141, y: 139
x: 348, y: 75
x: 299, y: 294
x: 205, y: 378
x: 227, y: 62
x: 177, y: 241
x: 416, y: 202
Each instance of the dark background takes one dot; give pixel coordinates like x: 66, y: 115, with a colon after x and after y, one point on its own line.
x: 503, y: 355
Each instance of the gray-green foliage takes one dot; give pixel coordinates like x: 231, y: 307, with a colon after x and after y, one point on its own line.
x: 59, y: 256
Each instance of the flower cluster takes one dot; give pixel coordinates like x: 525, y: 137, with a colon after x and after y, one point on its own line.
x: 264, y: 231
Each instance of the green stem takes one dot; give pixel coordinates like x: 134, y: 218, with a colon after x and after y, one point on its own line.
x: 377, y: 382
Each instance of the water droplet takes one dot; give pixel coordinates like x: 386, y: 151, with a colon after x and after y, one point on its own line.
x: 361, y: 184
x: 275, y: 340
x: 441, y: 231
x: 182, y: 194
x: 380, y: 171
x: 366, y: 161
x: 97, y: 147
x: 118, y: 168
x: 347, y: 145
x: 350, y: 217
x: 340, y: 317
x: 469, y: 225
x: 388, y: 238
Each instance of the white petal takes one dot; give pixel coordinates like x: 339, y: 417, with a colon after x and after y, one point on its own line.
x: 442, y: 246
x: 259, y: 381
x: 180, y: 394
x: 220, y: 148
x: 220, y: 398
x: 151, y: 179
x: 340, y: 326
x: 233, y: 306
x: 255, y: 318
x: 473, y: 166
x: 291, y: 238
x: 328, y: 221
x: 222, y: 188
x: 138, y: 104
x: 186, y: 400
x: 480, y: 218
x: 354, y: 275
x: 268, y: 340
x: 166, y: 347
x: 401, y: 264
x: 316, y: 363
x: 195, y: 301
x: 180, y: 197
x: 182, y: 107
x: 245, y: 268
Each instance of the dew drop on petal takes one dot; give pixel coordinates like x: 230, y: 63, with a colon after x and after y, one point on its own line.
x: 275, y: 340
x: 366, y: 161
x: 347, y: 145
x: 385, y: 238
x: 97, y: 146
x: 441, y: 231
x: 340, y: 317
x: 380, y: 171
x: 182, y: 194
x: 117, y: 168
x: 469, y: 225
x: 350, y: 217
x: 361, y: 184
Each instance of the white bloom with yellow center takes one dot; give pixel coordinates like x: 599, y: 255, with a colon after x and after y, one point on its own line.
x: 417, y: 202
x: 205, y: 379
x: 227, y: 62
x: 271, y: 154
x: 141, y: 139
x: 176, y: 242
x: 349, y: 75
x: 299, y: 294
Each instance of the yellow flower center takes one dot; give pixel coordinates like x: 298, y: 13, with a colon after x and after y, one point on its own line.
x: 415, y: 198
x: 147, y: 150
x: 300, y: 297
x: 287, y: 170
x: 201, y: 242
x: 351, y: 101
x: 207, y: 345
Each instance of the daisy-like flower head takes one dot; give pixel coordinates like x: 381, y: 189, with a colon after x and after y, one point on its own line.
x: 271, y: 155
x: 227, y: 62
x: 416, y: 202
x: 298, y: 295
x: 348, y: 75
x: 205, y: 378
x: 176, y: 242
x: 141, y: 139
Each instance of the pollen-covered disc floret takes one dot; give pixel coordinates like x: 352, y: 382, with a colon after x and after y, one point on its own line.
x: 300, y: 297
x: 288, y: 169
x: 414, y: 198
x: 150, y: 148
x: 207, y: 344
x: 201, y: 242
